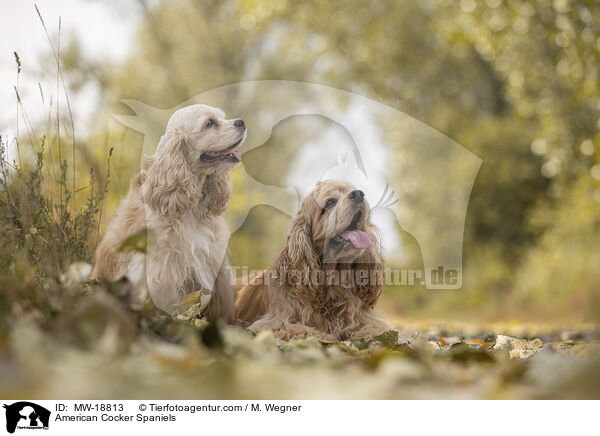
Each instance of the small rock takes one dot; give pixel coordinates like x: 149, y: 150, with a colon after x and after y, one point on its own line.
x: 524, y: 349
x: 569, y: 335
x: 504, y: 343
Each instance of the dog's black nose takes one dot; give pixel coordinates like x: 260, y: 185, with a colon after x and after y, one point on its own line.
x: 357, y: 195
x: 239, y: 123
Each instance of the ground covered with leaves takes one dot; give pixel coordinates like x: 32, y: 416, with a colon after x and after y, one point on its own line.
x: 69, y: 341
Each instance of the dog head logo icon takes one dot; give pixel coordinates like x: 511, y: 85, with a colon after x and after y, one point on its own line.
x: 26, y: 415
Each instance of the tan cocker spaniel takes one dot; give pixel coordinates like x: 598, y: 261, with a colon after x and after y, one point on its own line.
x: 327, y: 278
x: 179, y: 196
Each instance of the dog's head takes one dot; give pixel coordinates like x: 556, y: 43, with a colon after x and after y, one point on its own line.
x: 332, y: 226
x: 341, y: 227
x: 331, y: 232
x: 210, y: 139
x: 198, y: 142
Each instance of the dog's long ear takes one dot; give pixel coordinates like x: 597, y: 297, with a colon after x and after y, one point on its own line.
x: 299, y: 248
x: 170, y: 187
x: 298, y: 258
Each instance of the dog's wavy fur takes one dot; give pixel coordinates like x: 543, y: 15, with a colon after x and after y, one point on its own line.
x: 179, y: 198
x: 330, y: 311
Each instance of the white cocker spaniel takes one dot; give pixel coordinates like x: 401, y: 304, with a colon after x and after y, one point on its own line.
x: 179, y: 196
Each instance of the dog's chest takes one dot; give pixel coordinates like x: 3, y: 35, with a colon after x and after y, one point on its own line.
x: 196, y: 248
x: 336, y: 305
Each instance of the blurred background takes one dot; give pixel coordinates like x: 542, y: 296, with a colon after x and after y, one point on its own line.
x: 514, y: 82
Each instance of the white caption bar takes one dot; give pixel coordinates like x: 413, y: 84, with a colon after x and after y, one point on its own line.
x: 310, y: 418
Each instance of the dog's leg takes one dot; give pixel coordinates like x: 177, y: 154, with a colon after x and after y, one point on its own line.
x: 222, y: 302
x: 299, y: 331
x: 370, y: 326
x: 289, y: 330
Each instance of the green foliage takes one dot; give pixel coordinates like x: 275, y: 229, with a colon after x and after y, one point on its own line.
x: 45, y: 228
x: 388, y: 339
x: 562, y: 269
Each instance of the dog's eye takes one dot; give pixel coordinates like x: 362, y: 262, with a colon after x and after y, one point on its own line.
x: 210, y: 123
x: 329, y: 203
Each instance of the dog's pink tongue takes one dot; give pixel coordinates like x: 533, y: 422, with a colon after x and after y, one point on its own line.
x: 357, y: 238
x: 237, y: 155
